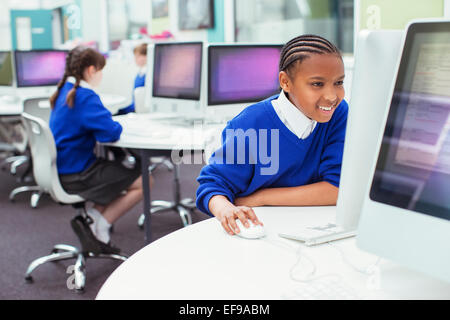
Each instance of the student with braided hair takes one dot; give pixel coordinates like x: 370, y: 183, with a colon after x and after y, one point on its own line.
x: 78, y: 120
x: 303, y: 130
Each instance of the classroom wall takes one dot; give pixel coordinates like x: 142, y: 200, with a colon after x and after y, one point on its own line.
x: 5, y: 28
x: 388, y: 14
x: 216, y: 34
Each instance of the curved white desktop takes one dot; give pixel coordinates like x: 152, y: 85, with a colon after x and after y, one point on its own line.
x: 203, y: 262
x: 13, y: 105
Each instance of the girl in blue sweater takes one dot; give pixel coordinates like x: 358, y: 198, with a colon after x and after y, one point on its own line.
x: 285, y: 150
x: 140, y: 58
x: 78, y: 120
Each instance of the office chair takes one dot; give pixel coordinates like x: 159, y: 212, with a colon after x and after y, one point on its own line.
x: 43, y: 152
x: 40, y: 108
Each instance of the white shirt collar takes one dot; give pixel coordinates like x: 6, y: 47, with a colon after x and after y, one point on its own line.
x: 83, y: 83
x: 292, y: 117
x: 142, y: 70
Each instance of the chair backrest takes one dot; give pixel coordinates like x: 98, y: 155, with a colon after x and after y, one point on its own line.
x: 38, y: 107
x: 139, y: 101
x: 43, y: 153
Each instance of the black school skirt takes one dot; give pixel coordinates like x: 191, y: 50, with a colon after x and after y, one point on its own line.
x: 103, y: 182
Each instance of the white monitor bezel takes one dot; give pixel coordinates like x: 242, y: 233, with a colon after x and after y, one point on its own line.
x: 415, y: 240
x: 224, y: 111
x: 172, y: 106
x: 367, y: 108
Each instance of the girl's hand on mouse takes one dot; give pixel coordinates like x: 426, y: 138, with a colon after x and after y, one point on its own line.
x: 228, y: 218
x: 227, y: 213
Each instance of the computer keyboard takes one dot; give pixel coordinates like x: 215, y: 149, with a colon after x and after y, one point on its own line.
x: 313, y: 235
x: 326, y: 288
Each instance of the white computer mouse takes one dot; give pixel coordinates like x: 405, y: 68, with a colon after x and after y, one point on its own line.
x: 252, y: 232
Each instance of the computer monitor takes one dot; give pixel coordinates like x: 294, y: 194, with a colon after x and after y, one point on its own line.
x: 174, y: 78
x: 6, y: 69
x: 376, y: 56
x: 406, y: 212
x: 239, y: 75
x: 39, y: 68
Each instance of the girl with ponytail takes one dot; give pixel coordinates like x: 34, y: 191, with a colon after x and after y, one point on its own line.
x: 78, y: 121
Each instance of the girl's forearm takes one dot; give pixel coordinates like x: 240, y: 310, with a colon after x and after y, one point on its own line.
x: 316, y: 194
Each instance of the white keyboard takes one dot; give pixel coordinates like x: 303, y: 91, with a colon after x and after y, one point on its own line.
x: 313, y: 235
x: 327, y: 288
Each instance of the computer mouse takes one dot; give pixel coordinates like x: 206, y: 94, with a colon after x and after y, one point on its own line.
x: 252, y: 232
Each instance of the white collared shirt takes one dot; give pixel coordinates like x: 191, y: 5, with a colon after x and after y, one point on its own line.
x: 83, y: 83
x: 292, y: 117
x: 142, y: 71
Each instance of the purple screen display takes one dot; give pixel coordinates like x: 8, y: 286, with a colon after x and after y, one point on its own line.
x: 177, y: 71
x: 39, y: 68
x: 242, y: 74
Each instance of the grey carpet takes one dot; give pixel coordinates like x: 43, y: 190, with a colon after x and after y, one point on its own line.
x: 26, y: 234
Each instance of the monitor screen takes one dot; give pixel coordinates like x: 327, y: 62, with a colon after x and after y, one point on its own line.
x: 413, y: 167
x: 242, y: 73
x: 6, y: 72
x: 177, y: 69
x: 39, y: 68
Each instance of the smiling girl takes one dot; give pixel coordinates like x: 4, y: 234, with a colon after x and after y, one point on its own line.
x: 307, y: 122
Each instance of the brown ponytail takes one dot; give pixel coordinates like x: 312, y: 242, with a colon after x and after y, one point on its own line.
x: 77, y: 61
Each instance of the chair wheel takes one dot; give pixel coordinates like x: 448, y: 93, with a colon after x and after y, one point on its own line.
x: 29, y: 279
x: 79, y: 291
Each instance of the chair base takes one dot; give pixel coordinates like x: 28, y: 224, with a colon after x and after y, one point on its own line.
x: 65, y: 252
x: 35, y: 196
x: 183, y: 208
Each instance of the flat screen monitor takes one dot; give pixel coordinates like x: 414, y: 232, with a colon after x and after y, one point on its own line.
x: 6, y: 68
x: 406, y: 215
x: 39, y: 68
x: 370, y: 89
x: 176, y: 73
x: 242, y: 73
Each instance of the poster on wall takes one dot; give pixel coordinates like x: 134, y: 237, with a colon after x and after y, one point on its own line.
x: 195, y: 14
x: 160, y: 17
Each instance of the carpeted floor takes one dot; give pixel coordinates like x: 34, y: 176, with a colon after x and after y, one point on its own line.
x: 26, y: 234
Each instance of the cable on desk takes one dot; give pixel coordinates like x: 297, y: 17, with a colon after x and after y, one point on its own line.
x: 309, y: 277
x: 368, y: 271
x: 297, y: 251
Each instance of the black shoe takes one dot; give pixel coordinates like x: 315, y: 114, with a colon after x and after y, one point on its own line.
x: 89, y: 243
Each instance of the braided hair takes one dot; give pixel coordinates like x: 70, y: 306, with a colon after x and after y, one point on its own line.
x: 299, y: 48
x: 77, y: 61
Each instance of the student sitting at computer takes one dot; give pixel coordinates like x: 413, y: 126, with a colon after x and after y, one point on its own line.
x: 286, y: 150
x: 140, y: 58
x: 78, y: 120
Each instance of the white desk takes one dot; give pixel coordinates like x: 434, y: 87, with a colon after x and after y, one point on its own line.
x: 156, y: 135
x: 13, y: 108
x: 203, y: 262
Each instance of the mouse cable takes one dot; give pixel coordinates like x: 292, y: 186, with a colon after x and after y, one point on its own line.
x: 368, y: 271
